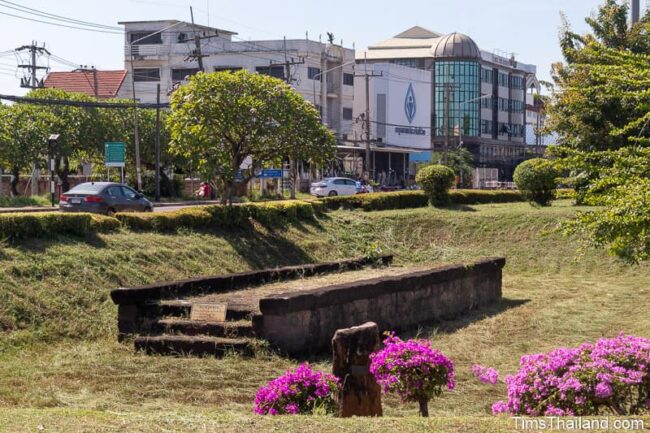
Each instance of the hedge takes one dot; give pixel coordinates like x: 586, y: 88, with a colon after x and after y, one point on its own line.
x: 414, y: 199
x: 206, y: 217
x: 26, y: 225
x: 279, y: 213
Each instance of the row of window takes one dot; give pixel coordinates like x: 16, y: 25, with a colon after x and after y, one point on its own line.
x: 504, y: 80
x: 504, y: 104
x: 502, y: 129
x: 314, y: 73
x: 347, y: 112
x: 153, y: 74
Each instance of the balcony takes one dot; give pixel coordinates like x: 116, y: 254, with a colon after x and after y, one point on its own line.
x: 145, y: 51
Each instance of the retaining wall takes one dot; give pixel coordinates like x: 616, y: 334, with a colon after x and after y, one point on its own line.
x: 303, y: 322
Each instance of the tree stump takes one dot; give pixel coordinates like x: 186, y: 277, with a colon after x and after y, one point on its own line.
x: 360, y: 393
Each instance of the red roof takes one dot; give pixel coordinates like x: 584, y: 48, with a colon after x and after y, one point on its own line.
x: 108, y: 82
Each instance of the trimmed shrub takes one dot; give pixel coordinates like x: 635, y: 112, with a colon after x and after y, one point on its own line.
x: 470, y: 197
x: 193, y: 218
x: 536, y: 179
x: 436, y: 180
x: 104, y: 224
x: 415, y: 199
x: 26, y: 225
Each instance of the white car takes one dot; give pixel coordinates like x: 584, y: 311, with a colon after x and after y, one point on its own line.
x: 333, y: 186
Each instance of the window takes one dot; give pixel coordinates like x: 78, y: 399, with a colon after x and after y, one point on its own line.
x: 465, y: 77
x: 313, y: 73
x: 227, y: 68
x: 504, y: 105
x: 517, y: 106
x: 486, y: 127
x: 273, y: 71
x: 182, y: 74
x: 146, y: 74
x: 517, y: 82
x: 410, y: 63
x: 503, y: 79
x: 487, y: 76
x: 347, y: 113
x: 486, y: 102
x: 339, y: 182
x: 114, y: 191
x: 145, y: 38
x: 348, y: 79
x: 129, y: 193
x: 504, y: 129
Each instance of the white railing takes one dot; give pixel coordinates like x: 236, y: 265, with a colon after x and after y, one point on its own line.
x: 145, y: 50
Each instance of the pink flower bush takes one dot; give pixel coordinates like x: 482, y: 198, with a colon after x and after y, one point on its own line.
x: 485, y: 374
x: 412, y: 369
x: 612, y: 375
x: 298, y: 392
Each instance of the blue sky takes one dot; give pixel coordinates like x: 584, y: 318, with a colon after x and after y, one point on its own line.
x: 528, y: 28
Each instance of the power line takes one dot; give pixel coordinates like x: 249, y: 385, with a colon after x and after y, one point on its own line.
x: 85, y: 104
x: 48, y: 15
x: 61, y: 25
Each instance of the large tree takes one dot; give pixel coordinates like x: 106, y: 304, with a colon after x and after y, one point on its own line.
x: 616, y: 177
x: 23, y: 133
x: 219, y: 119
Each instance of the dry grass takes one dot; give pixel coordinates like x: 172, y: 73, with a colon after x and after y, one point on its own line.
x: 62, y: 368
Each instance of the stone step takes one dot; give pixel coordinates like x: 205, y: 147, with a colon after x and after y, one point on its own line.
x: 182, y: 308
x: 181, y: 345
x: 212, y: 329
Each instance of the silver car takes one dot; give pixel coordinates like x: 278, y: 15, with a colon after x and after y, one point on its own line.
x: 333, y: 186
x: 106, y: 198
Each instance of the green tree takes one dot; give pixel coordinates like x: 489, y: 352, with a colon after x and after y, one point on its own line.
x: 615, y: 177
x: 23, y: 132
x: 536, y: 179
x: 80, y: 130
x: 436, y: 180
x: 219, y: 119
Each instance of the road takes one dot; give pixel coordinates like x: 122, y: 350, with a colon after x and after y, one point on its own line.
x: 164, y: 207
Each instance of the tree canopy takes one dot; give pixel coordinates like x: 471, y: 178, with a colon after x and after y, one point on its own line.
x: 602, y: 113
x: 220, y: 119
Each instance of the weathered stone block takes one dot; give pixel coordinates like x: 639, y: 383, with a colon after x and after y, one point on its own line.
x: 360, y: 394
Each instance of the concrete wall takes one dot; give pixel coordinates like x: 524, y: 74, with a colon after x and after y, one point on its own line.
x: 303, y: 322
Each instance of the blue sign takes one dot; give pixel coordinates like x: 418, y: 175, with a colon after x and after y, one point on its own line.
x: 410, y: 106
x: 270, y: 173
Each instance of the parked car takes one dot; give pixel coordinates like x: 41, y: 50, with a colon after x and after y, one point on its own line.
x: 333, y: 186
x: 105, y: 198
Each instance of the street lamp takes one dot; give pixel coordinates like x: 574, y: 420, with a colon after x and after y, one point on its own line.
x: 51, y: 142
x: 136, y: 137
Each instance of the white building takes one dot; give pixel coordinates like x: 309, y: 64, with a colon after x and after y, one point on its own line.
x: 400, y: 118
x: 321, y: 72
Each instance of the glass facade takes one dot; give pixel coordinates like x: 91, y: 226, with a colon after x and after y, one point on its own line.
x: 462, y: 79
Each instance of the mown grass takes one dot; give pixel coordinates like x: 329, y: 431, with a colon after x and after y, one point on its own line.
x: 61, y: 367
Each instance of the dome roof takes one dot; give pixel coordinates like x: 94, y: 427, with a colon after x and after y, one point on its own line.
x: 456, y: 45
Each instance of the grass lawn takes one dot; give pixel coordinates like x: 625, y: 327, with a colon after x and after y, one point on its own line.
x: 61, y: 367
x: 24, y: 201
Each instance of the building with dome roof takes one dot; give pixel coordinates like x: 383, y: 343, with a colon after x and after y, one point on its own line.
x: 478, y: 99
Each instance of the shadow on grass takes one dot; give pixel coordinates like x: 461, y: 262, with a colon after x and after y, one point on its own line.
x: 41, y: 245
x: 459, y: 208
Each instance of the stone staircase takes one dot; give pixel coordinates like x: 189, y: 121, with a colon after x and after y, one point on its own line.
x: 166, y: 329
x: 158, y: 317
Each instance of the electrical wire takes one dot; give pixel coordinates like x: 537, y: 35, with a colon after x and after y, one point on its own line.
x: 61, y: 25
x: 32, y: 11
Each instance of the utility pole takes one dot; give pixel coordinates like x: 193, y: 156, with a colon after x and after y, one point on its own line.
x: 158, y: 142
x: 367, y: 163
x: 293, y: 176
x: 32, y: 82
x: 197, y: 42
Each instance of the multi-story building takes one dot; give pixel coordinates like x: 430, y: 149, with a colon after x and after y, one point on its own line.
x: 165, y: 53
x: 478, y: 98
